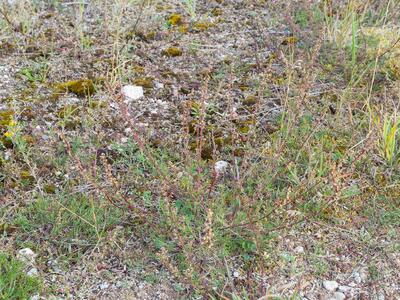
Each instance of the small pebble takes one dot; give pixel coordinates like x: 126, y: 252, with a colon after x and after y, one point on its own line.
x: 220, y: 167
x: 339, y: 296
x: 26, y: 255
x: 132, y: 92
x: 330, y: 285
x: 104, y: 285
x: 299, y: 249
x: 33, y: 272
x: 344, y: 288
x: 357, y: 278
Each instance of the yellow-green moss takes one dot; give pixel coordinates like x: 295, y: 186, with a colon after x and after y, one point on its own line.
x: 138, y: 69
x: 146, y: 82
x: 30, y: 140
x: 290, y: 40
x: 244, y: 126
x: 244, y: 87
x: 183, y: 28
x: 25, y: 175
x: 6, y: 117
x: 216, y: 12
x: 175, y: 19
x: 172, y: 52
x: 201, y: 26
x: 97, y: 104
x: 81, y: 87
x: 49, y: 188
x: 146, y: 36
x: 163, y: 7
x: 250, y: 101
x: 151, y: 35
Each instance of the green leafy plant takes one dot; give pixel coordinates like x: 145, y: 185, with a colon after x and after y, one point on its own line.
x: 35, y: 73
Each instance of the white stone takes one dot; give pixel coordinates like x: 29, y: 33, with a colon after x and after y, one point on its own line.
x: 26, y: 255
x: 33, y: 272
x: 344, y: 288
x: 132, y: 92
x: 104, y: 286
x: 34, y: 297
x: 339, y: 296
x: 159, y: 85
x: 72, y: 100
x: 357, y: 278
x: 330, y: 285
x: 381, y: 297
x: 220, y: 167
x: 236, y: 274
x: 299, y: 249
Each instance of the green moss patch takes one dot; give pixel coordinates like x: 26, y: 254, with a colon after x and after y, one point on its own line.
x: 81, y: 87
x: 175, y: 19
x: 172, y: 52
x: 145, y: 82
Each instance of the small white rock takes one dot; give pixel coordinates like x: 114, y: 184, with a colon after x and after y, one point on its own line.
x: 344, y: 288
x: 339, y: 296
x: 104, y: 286
x: 159, y: 85
x: 220, y: 167
x: 34, y: 297
x: 381, y: 297
x: 33, y: 272
x: 132, y: 92
x: 236, y: 274
x: 357, y: 278
x: 352, y: 284
x: 299, y: 249
x: 72, y: 100
x: 26, y: 255
x: 330, y: 285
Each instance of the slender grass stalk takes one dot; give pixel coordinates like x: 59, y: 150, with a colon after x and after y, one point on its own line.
x: 354, y: 27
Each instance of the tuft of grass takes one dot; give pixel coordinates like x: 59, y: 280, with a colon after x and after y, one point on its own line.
x: 14, y: 283
x: 72, y: 224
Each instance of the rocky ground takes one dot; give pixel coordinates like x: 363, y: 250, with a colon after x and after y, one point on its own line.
x: 222, y: 73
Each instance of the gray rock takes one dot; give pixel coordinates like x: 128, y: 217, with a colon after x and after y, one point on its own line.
x: 330, y: 285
